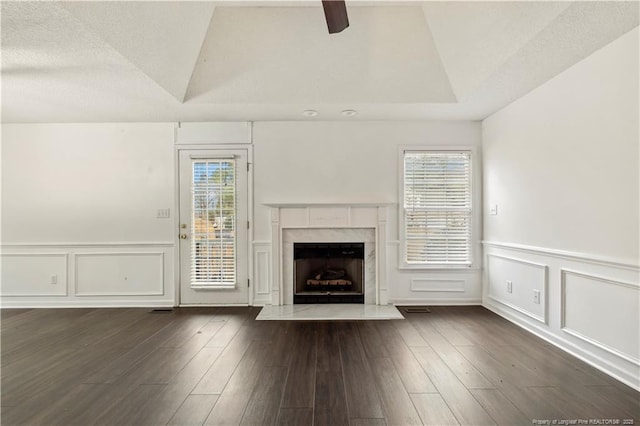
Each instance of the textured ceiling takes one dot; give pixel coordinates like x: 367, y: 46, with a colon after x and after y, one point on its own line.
x: 269, y: 60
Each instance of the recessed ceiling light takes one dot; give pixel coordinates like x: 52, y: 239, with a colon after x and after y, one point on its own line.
x: 349, y: 112
x: 310, y: 112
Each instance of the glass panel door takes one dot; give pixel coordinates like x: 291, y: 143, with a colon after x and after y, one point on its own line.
x: 213, y: 227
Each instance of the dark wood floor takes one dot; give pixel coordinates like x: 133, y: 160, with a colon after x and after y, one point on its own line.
x: 219, y: 366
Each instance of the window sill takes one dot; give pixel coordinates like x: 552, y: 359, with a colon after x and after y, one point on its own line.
x: 212, y: 287
x: 438, y: 268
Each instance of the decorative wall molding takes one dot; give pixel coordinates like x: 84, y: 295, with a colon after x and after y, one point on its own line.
x: 564, y: 254
x: 445, y: 285
x: 60, y: 283
x: 518, y: 260
x: 544, y: 285
x: 564, y: 274
x: 157, y: 275
x: 87, y: 244
x: 77, y: 276
x: 262, y: 268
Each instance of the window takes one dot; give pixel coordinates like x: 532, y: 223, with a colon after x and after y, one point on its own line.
x: 437, y: 208
x: 213, y: 262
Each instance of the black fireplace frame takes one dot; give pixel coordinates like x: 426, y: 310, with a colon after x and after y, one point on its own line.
x: 332, y: 252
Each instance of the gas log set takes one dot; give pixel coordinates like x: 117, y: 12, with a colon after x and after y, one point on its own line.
x: 329, y: 272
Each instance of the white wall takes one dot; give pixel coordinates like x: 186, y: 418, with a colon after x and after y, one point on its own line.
x: 355, y: 162
x: 562, y: 166
x: 79, y: 202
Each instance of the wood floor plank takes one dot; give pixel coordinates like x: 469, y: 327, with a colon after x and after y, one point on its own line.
x: 193, y: 411
x: 502, y: 365
x: 396, y: 403
x: 576, y: 405
x: 567, y: 370
x: 295, y: 417
x: 462, y: 368
x: 413, y: 377
x: 159, y: 408
x: 300, y: 381
x: 371, y: 341
x: 444, y: 327
x: 462, y: 403
x: 236, y: 394
x: 508, y: 380
x: 627, y: 401
x: 433, y: 410
x: 368, y: 422
x: 125, y: 411
x: 12, y: 312
x: 409, y: 334
x: 228, y: 331
x: 328, y: 346
x: 500, y: 408
x: 216, y: 378
x: 63, y: 370
x: 60, y: 411
x: 265, y: 401
x: 330, y: 400
x: 361, y: 394
x: 279, y: 351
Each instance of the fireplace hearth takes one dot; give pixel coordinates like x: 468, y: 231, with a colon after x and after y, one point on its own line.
x: 328, y: 272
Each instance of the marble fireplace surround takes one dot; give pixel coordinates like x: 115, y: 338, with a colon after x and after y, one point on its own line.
x: 329, y: 223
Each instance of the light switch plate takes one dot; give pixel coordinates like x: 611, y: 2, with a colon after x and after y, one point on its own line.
x: 164, y: 213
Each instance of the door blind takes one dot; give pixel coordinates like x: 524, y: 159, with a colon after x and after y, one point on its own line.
x: 213, y: 233
x: 437, y: 208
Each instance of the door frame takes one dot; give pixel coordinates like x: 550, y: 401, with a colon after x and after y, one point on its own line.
x: 176, y: 217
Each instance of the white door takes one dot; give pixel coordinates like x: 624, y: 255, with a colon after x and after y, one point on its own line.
x: 213, y: 227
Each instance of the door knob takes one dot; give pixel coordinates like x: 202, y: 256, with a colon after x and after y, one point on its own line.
x: 183, y: 236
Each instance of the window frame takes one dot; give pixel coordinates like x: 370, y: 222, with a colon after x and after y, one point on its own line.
x: 474, y: 213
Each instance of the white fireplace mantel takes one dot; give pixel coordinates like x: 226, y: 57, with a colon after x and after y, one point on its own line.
x: 330, y: 216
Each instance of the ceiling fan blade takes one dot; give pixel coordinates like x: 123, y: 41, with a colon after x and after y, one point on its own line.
x: 336, y: 13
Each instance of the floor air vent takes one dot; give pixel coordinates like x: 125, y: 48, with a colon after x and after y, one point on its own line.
x: 417, y: 310
x: 160, y: 310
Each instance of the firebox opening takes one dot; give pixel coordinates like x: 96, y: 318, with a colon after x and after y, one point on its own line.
x: 328, y: 272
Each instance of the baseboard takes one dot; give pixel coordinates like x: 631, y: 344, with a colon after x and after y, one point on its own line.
x: 213, y: 305
x: 627, y: 377
x: 33, y: 304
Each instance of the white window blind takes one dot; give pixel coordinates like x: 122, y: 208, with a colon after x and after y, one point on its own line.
x: 437, y: 208
x: 213, y: 233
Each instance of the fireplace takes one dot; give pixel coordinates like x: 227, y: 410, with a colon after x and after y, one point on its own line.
x: 292, y: 224
x: 328, y: 272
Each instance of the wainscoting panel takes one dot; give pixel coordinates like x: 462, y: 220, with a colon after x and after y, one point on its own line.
x: 437, y: 285
x: 603, y: 312
x: 34, y: 274
x: 592, y: 302
x: 262, y: 268
x: 123, y: 274
x: 519, y: 284
x: 101, y: 274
